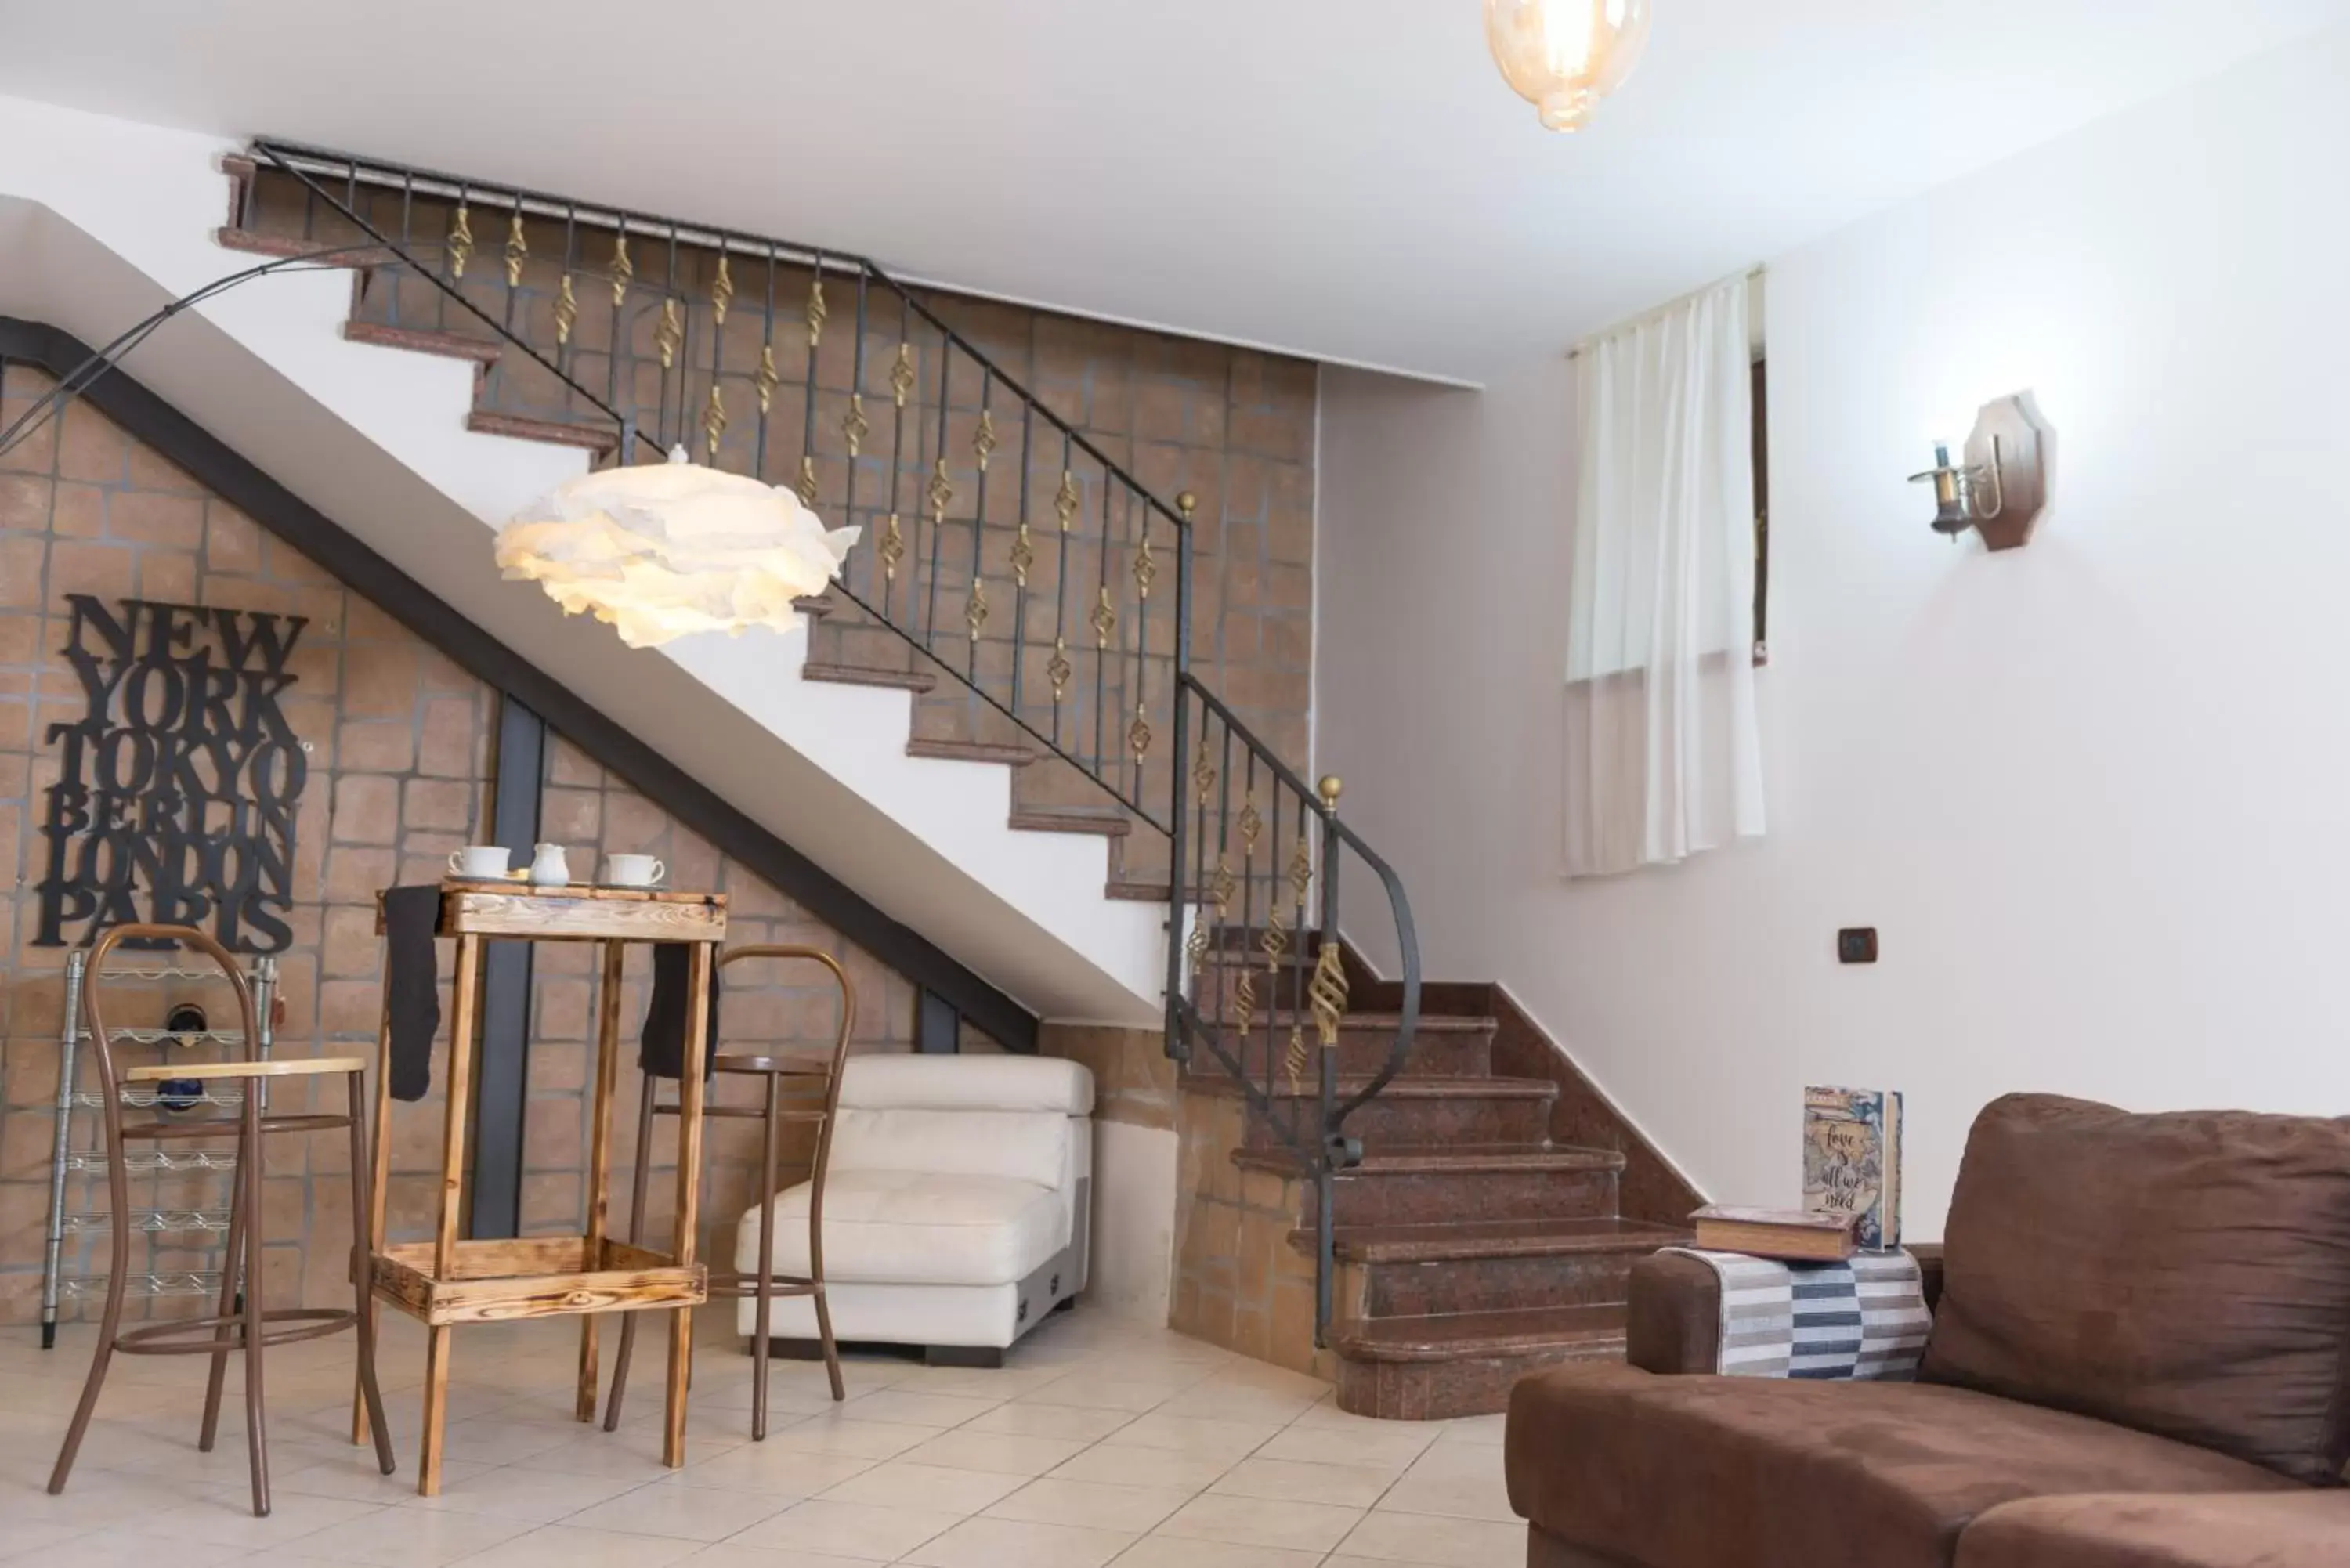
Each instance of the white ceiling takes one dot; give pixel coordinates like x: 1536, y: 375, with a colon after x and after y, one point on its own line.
x: 1345, y: 179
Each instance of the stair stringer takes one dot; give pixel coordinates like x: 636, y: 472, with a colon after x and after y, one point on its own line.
x: 102, y: 220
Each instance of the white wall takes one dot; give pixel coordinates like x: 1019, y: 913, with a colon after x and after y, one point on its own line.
x: 1131, y: 1268
x: 2095, y: 793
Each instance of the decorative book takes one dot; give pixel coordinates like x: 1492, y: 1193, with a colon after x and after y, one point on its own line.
x: 1852, y: 1161
x: 1797, y: 1235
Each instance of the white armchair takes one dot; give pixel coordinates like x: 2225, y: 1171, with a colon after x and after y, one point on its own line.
x: 955, y: 1210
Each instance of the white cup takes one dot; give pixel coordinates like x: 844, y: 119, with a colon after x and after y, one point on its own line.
x: 483, y: 862
x: 632, y: 870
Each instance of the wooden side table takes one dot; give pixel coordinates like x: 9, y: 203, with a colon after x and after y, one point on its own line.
x: 450, y: 1281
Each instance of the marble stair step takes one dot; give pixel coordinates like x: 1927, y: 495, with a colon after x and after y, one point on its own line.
x: 1462, y: 1364
x: 1440, y: 1047
x: 1487, y: 1265
x: 1406, y: 1184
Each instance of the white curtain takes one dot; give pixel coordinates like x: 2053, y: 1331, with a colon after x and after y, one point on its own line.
x: 1662, y: 755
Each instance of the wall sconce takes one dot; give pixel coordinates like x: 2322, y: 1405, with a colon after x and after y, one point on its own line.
x: 1999, y: 486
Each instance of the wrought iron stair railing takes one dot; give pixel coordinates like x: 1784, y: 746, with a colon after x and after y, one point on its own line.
x: 1002, y: 546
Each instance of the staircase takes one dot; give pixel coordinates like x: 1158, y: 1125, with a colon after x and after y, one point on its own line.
x: 1468, y: 1246
x: 998, y: 695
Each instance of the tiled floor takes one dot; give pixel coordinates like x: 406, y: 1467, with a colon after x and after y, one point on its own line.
x: 1100, y: 1442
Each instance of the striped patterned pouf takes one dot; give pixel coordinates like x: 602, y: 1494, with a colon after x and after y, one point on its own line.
x: 1865, y: 1319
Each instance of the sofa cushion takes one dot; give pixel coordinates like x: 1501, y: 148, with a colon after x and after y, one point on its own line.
x: 915, y: 1228
x: 967, y: 1084
x: 1034, y: 1146
x: 2295, y: 1529
x: 2187, y: 1275
x: 1697, y: 1472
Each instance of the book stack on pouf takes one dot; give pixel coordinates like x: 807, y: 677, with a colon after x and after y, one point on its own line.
x: 1824, y: 1290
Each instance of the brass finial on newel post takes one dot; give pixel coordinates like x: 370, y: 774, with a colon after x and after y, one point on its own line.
x: 1186, y: 502
x: 1329, y: 789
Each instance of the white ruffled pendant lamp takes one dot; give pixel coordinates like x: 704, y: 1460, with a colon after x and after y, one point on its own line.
x: 664, y: 549
x: 1565, y: 56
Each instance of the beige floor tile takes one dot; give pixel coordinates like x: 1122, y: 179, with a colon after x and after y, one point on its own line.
x: 352, y: 1474
x: 631, y: 1454
x: 1094, y: 1504
x: 495, y: 1440
x: 933, y: 1486
x: 1387, y: 1445
x: 1421, y: 1538
x: 416, y: 1537
x: 730, y: 1554
x: 1260, y: 1521
x: 1475, y: 1428
x: 1347, y: 1486
x: 1227, y: 1440
x: 26, y: 1537
x: 121, y: 1549
x: 1108, y: 1392
x: 1341, y: 1560
x: 1021, y: 1543
x: 227, y: 1520
x: 996, y: 1451
x: 683, y: 1514
x: 1448, y: 1459
x: 1225, y: 1401
x: 850, y: 1528
x: 1182, y: 1551
x: 792, y: 1473
x: 1481, y: 1496
x: 563, y: 1546
x: 831, y: 1433
x: 1142, y: 1466
x: 986, y: 1382
x: 1020, y: 1419
x: 921, y: 1407
x: 533, y: 1496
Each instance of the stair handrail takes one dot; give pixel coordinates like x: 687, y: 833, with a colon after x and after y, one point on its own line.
x: 1302, y: 952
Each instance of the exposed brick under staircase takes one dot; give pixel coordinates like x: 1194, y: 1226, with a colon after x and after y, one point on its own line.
x: 1493, y: 1223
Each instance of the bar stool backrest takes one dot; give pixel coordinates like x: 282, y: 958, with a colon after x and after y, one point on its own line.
x: 109, y: 1094
x: 829, y: 1117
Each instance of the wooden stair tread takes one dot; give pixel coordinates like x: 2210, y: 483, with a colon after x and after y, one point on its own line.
x: 1457, y: 1158
x: 1459, y: 1336
x: 866, y: 675
x: 1010, y: 756
x: 425, y: 340
x: 1495, y: 1239
x: 593, y: 435
x: 1046, y: 819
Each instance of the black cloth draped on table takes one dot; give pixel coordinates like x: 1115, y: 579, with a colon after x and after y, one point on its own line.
x: 661, y: 1050
x: 412, y: 986
x: 412, y: 996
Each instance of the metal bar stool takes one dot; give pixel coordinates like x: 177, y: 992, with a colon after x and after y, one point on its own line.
x: 234, y: 1328
x: 808, y: 1076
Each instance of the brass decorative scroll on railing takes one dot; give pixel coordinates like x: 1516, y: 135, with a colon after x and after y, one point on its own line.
x: 1001, y: 546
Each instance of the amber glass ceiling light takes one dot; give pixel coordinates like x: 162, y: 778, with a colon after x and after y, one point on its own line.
x: 1565, y: 56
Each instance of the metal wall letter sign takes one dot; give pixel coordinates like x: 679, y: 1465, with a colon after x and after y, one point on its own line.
x: 176, y: 790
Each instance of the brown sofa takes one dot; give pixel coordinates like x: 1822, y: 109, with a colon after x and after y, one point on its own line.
x: 2140, y: 1359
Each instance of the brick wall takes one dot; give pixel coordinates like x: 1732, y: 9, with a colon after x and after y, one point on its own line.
x: 399, y: 742
x: 1238, y: 1281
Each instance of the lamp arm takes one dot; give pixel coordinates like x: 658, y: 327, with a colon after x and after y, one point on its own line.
x: 1998, y: 497
x: 87, y: 374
